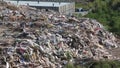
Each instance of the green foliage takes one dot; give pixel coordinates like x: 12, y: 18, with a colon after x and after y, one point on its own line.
x: 107, y: 12
x: 71, y: 65
x: 68, y: 56
x: 96, y: 64
x: 106, y: 64
x: 81, y: 5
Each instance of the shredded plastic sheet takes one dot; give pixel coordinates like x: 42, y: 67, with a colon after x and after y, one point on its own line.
x: 49, y: 39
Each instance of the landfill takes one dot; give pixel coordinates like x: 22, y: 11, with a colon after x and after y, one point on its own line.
x: 34, y: 38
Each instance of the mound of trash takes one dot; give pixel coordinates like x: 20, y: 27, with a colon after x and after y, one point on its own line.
x: 33, y: 38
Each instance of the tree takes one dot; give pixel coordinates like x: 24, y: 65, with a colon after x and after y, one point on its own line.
x: 106, y: 12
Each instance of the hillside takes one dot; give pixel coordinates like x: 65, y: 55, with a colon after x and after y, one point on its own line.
x: 106, y: 12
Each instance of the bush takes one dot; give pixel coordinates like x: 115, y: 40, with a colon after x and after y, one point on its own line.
x: 107, y: 12
x: 106, y: 64
x: 71, y: 65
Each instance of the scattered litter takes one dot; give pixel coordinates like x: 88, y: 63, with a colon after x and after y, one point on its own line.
x: 47, y: 39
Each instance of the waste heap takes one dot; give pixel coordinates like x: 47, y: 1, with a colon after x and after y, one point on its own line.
x: 32, y: 38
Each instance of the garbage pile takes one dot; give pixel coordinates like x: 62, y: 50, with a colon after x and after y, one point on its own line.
x: 32, y: 38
